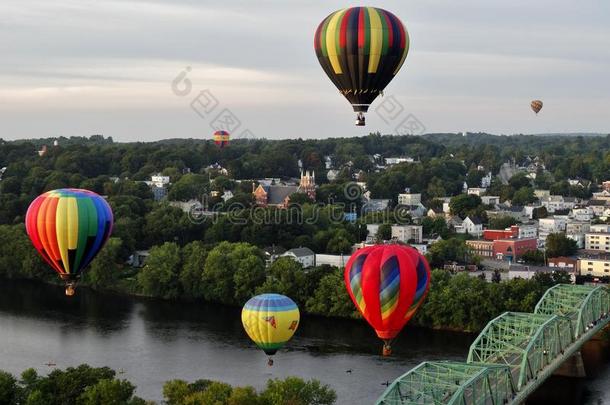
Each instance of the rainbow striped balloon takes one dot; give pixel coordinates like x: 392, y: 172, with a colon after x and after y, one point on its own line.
x: 361, y: 49
x: 221, y: 138
x: 68, y: 227
x: 270, y: 320
x: 387, y: 283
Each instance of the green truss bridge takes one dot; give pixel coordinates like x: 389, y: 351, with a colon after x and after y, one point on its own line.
x: 513, y: 355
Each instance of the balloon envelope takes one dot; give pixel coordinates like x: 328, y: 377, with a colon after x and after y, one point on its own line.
x: 536, y: 106
x: 68, y: 227
x: 270, y: 320
x: 221, y: 138
x: 387, y: 283
x: 361, y: 49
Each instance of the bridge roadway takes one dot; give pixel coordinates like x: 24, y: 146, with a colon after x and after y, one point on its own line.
x: 513, y: 355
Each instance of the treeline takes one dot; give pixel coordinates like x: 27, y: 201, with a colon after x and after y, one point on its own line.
x: 231, y: 273
x: 86, y: 385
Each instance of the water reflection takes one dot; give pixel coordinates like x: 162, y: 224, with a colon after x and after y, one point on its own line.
x: 154, y: 341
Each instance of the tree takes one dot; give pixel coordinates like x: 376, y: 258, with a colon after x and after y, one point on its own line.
x: 539, y: 212
x: 331, y: 297
x: 189, y: 186
x: 502, y: 222
x: 384, y: 232
x: 232, y: 272
x: 535, y: 257
x: 449, y: 250
x: 193, y: 258
x: 9, y: 391
x: 286, y: 276
x: 523, y: 196
x: 295, y: 391
x: 160, y: 275
x: 463, y: 204
x: 105, y: 270
x: 496, y: 277
x: 558, y: 244
x: 110, y: 392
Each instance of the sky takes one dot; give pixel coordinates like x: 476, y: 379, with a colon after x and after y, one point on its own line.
x: 154, y: 69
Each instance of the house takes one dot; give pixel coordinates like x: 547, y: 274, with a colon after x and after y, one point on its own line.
x: 529, y: 230
x: 433, y: 213
x: 2, y: 170
x: 606, y: 185
x: 397, y: 160
x: 554, y: 203
x: 486, y: 180
x: 456, y: 223
x: 415, y: 211
x: 303, y: 255
x: 568, y: 264
x: 332, y: 260
x: 594, y: 266
x: 409, y: 199
x: 478, y: 191
x: 597, y: 241
x: 576, y: 231
x: 407, y: 233
x: 272, y: 253
x: 332, y: 175
x: 495, y: 234
x: 550, y: 225
x: 540, y: 194
x: 598, y: 206
x: 581, y: 213
x: 602, y: 195
x: 138, y: 258
x: 512, y: 249
x: 273, y: 195
x: 490, y: 199
x: 227, y: 195
x: 376, y: 205
x: 515, y: 211
x: 472, y: 226
x: 482, y: 248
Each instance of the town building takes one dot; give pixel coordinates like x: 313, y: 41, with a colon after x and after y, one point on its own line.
x: 490, y: 199
x: 602, y: 195
x: 582, y: 213
x: 547, y: 226
x: 606, y: 185
x: 332, y: 260
x: 409, y: 199
x: 397, y: 160
x: 482, y: 248
x: 278, y: 195
x: 495, y: 234
x: 598, y: 206
x: 407, y: 233
x: 512, y: 249
x: 568, y: 264
x: 594, y: 266
x: 303, y: 255
x: 527, y: 231
x: 554, y: 203
x: 597, y: 241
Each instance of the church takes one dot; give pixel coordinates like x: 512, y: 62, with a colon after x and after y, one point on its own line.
x: 279, y: 195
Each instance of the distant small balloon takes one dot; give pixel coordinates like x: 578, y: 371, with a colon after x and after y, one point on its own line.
x: 536, y: 106
x: 222, y: 138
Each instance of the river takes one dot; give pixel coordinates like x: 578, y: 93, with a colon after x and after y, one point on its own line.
x: 152, y: 341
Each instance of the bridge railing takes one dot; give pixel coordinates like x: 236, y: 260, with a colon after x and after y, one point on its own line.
x: 513, y: 354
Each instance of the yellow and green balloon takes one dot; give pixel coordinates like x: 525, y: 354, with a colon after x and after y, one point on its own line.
x: 270, y: 320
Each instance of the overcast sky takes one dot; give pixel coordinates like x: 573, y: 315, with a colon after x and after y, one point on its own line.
x: 82, y: 67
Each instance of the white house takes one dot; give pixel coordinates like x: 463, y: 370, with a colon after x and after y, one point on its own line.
x: 407, y: 233
x: 490, y: 199
x: 472, y: 226
x: 409, y: 199
x: 476, y: 191
x: 303, y: 255
x: 159, y: 180
x: 396, y: 160
x: 582, y: 213
x: 486, y: 180
x: 332, y: 260
x: 554, y: 203
x: 550, y: 225
x: 528, y: 231
x: 227, y: 195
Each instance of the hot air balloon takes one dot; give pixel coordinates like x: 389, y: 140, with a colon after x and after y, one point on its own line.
x: 270, y: 320
x: 536, y: 106
x: 68, y: 227
x: 221, y: 138
x: 361, y: 49
x: 387, y: 283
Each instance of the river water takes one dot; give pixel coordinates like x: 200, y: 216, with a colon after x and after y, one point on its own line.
x: 152, y: 341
